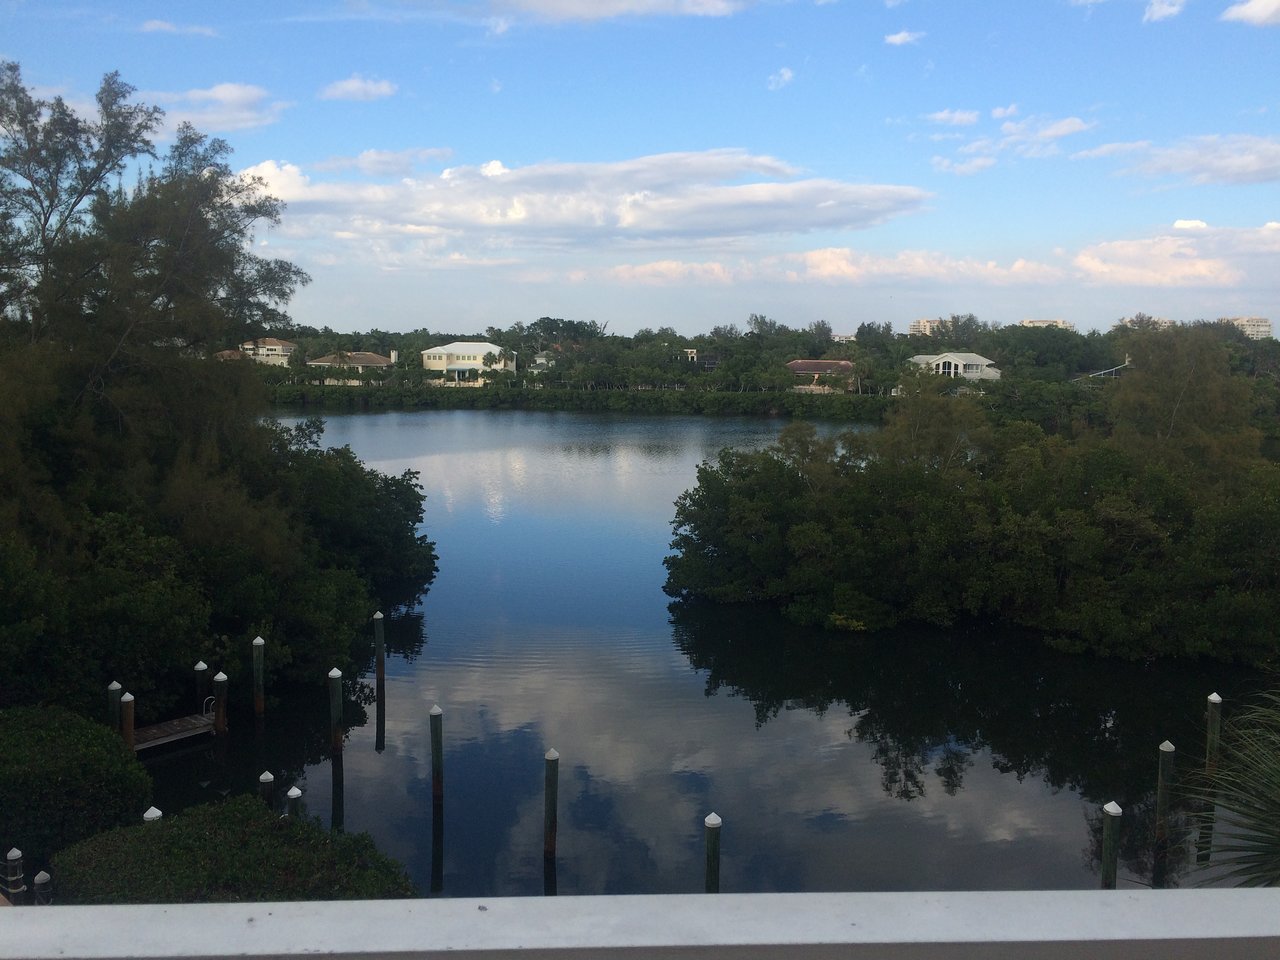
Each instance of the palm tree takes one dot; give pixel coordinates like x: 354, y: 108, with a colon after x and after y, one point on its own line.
x: 1242, y: 797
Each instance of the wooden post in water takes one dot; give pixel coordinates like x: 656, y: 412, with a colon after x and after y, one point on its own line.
x: 152, y: 815
x: 259, y: 684
x: 15, y: 887
x: 335, y: 711
x: 337, y: 799
x: 1111, y: 813
x: 711, y: 833
x: 437, y: 752
x: 379, y: 649
x: 1164, y: 779
x: 114, y: 691
x: 294, y: 804
x: 43, y: 889
x: 202, y: 685
x: 550, y: 800
x: 1213, y: 733
x: 220, y: 703
x: 266, y: 788
x: 380, y: 685
x: 126, y: 719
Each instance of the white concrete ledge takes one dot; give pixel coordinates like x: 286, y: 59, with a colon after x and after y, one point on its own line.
x: 1056, y: 925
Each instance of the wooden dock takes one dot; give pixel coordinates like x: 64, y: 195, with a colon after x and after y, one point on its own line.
x: 171, y: 730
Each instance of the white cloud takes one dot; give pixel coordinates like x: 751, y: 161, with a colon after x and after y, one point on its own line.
x: 964, y: 168
x: 164, y: 26
x: 384, y: 163
x: 1111, y: 150
x: 673, y: 273
x: 780, y: 79
x: 1154, y: 262
x: 356, y: 87
x: 843, y: 265
x: 1162, y: 10
x: 1002, y: 113
x: 712, y: 196
x: 1236, y: 159
x: 1038, y: 136
x: 954, y: 118
x: 1259, y: 13
x: 1189, y: 225
x: 903, y: 37
x: 224, y: 106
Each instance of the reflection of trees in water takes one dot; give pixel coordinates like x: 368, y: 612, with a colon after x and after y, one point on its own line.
x: 928, y: 701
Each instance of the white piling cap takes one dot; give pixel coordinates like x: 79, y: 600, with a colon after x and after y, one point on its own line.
x: 335, y: 674
x: 1112, y: 808
x: 378, y: 615
x: 552, y: 755
x: 113, y: 685
x: 219, y: 677
x: 259, y: 642
x: 152, y: 814
x: 15, y: 854
x: 1214, y: 698
x: 435, y: 711
x: 127, y: 698
x: 1167, y: 747
x: 294, y: 793
x: 201, y: 665
x: 266, y: 777
x: 43, y: 877
x: 712, y: 821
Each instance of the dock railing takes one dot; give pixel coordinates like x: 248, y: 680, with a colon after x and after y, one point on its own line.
x: 1041, y: 925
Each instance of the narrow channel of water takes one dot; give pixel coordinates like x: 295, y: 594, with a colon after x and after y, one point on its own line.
x: 914, y: 761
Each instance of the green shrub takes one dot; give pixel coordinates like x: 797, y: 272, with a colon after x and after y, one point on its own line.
x: 237, y: 850
x: 62, y: 779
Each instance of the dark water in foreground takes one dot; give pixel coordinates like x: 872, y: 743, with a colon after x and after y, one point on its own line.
x: 911, y: 761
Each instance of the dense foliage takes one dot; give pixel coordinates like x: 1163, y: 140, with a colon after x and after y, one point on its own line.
x: 1151, y: 526
x: 148, y: 517
x: 63, y: 778
x: 233, y: 851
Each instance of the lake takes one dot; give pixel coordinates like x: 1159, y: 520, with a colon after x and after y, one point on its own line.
x: 917, y: 760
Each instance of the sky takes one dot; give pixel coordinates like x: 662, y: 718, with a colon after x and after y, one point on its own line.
x: 460, y: 164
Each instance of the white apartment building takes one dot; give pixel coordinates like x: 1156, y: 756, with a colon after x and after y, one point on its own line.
x: 1255, y: 328
x: 270, y: 350
x: 923, y: 327
x: 1060, y: 324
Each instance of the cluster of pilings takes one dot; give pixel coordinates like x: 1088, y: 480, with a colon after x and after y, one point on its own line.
x: 1112, y: 812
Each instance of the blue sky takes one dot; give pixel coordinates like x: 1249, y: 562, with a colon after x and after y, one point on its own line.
x: 458, y: 164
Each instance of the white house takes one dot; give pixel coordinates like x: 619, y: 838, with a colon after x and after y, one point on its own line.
x: 970, y: 366
x: 463, y: 360
x: 270, y: 350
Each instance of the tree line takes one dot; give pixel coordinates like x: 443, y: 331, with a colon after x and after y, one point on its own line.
x: 149, y: 516
x: 1136, y: 516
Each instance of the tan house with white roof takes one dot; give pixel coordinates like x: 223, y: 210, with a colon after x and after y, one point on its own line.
x: 462, y: 361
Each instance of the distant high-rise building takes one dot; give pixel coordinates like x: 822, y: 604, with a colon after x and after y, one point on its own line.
x: 1142, y: 320
x: 923, y: 327
x: 1060, y: 324
x: 1255, y: 328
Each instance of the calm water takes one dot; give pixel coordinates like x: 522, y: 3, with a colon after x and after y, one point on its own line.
x: 913, y: 761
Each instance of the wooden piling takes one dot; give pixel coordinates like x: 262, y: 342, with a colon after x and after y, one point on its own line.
x: 437, y: 752
x: 114, y: 691
x: 201, y: 670
x: 1213, y: 732
x: 266, y: 788
x: 1164, y: 781
x: 337, y: 808
x: 711, y: 834
x: 43, y: 888
x: 152, y: 815
x: 550, y: 791
x: 379, y: 648
x: 126, y: 719
x: 259, y: 684
x: 335, y: 711
x: 15, y: 887
x: 1110, y: 843
x: 220, y: 703
x: 293, y: 806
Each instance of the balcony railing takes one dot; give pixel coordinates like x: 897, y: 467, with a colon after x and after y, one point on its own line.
x: 1053, y: 925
